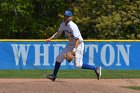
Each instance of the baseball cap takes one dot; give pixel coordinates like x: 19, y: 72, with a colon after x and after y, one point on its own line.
x: 68, y: 13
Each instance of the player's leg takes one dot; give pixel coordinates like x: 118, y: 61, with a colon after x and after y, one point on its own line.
x: 96, y: 69
x: 79, y: 58
x: 56, y: 68
x: 55, y: 71
x: 59, y: 60
x: 87, y: 66
x: 79, y: 62
x: 79, y: 55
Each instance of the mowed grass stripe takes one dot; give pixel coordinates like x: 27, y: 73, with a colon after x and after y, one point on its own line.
x: 133, y: 87
x: 106, y: 74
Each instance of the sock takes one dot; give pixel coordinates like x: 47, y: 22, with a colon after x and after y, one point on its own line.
x: 86, y: 66
x: 57, y: 66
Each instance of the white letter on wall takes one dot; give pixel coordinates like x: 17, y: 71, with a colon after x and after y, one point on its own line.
x: 91, y: 52
x: 22, y: 51
x: 124, y: 53
x: 38, y: 54
x: 111, y: 56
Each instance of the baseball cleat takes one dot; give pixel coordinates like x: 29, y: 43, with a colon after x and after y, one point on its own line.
x: 51, y: 77
x: 98, y: 72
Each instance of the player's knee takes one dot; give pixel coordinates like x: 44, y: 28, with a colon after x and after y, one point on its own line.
x: 59, y: 58
x: 79, y: 65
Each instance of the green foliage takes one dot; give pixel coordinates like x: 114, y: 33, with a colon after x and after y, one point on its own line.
x: 97, y: 19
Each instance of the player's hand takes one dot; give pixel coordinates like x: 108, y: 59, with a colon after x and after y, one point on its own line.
x: 48, y: 40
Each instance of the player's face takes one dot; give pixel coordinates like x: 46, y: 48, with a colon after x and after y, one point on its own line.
x: 66, y: 17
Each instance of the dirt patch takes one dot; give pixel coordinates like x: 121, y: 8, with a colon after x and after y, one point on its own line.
x: 68, y: 86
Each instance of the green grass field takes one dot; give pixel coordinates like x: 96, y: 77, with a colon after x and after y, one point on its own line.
x: 133, y: 87
x: 106, y: 74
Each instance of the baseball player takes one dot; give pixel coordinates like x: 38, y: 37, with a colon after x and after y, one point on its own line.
x: 75, y: 45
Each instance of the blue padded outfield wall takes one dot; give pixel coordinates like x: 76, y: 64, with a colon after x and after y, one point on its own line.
x: 41, y: 55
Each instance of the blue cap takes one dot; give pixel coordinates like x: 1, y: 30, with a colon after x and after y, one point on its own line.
x: 68, y: 13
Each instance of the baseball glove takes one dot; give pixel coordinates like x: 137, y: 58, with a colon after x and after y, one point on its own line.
x: 69, y: 56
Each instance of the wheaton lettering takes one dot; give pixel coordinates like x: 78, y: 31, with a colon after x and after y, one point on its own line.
x: 42, y: 54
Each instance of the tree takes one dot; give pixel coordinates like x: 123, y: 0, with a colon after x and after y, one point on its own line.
x: 97, y: 19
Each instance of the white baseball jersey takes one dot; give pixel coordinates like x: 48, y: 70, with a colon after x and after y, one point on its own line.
x: 71, y: 30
